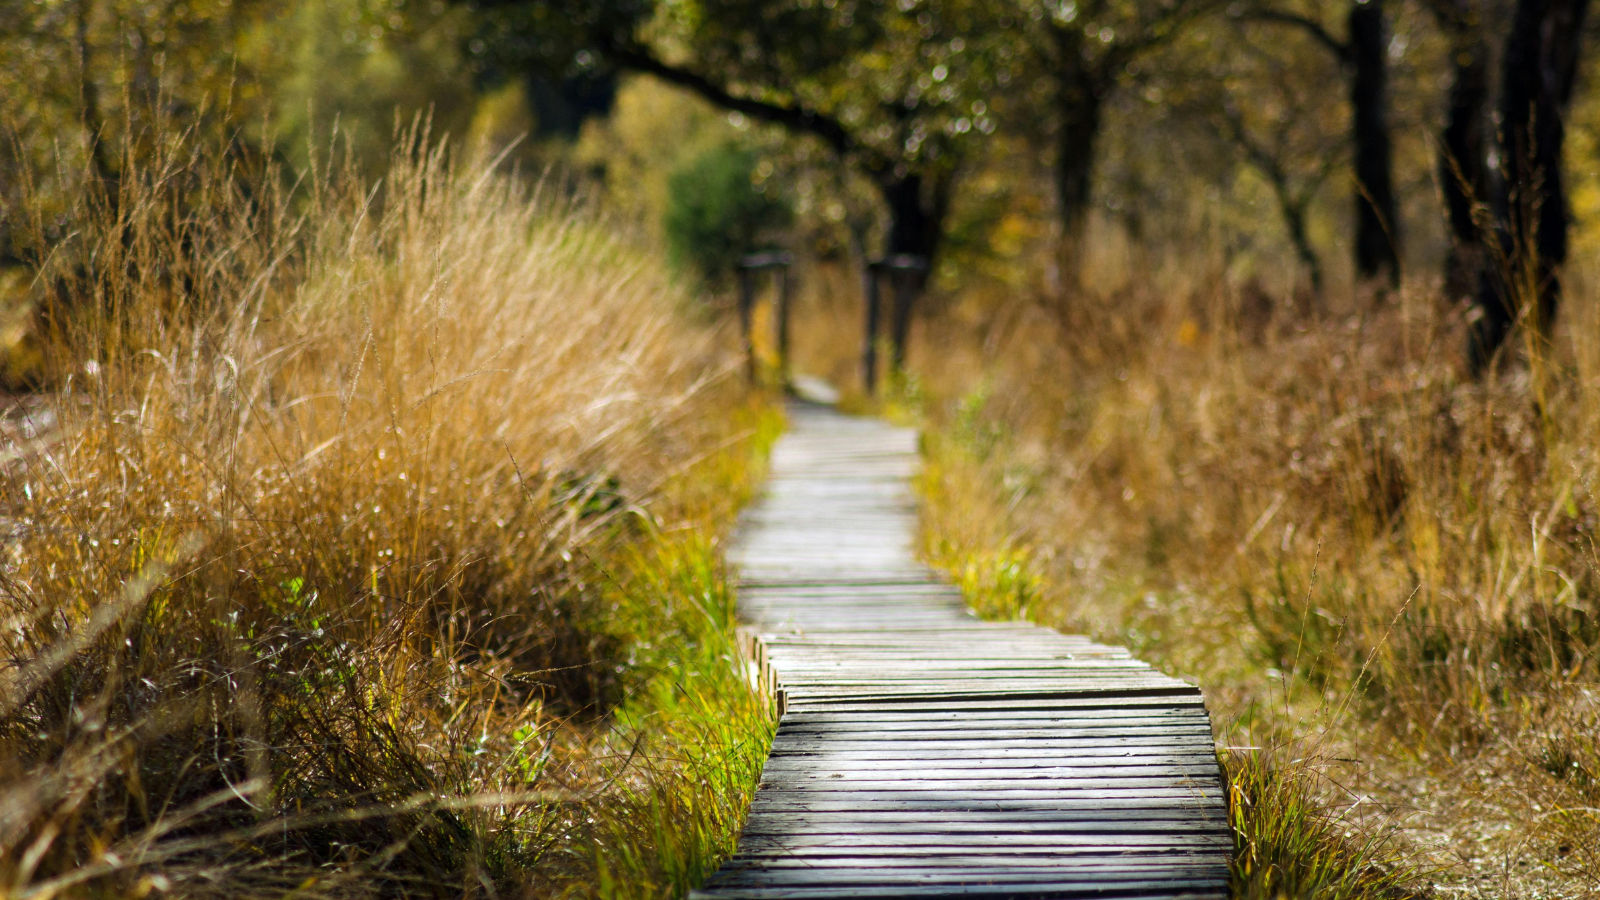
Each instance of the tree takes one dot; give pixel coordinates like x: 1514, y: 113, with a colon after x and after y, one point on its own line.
x: 715, y: 215
x: 893, y: 89
x: 1292, y: 192
x: 1083, y: 50
x: 88, y: 87
x: 84, y: 86
x: 1464, y: 139
x: 1363, y: 54
x: 1257, y: 102
x: 896, y: 90
x: 1527, y: 246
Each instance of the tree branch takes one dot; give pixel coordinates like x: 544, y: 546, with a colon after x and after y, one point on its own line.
x: 1163, y: 29
x: 1310, y: 26
x: 793, y: 116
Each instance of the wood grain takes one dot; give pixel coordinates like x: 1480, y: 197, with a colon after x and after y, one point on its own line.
x: 926, y: 753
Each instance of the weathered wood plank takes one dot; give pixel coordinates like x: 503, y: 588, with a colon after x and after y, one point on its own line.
x: 966, y: 862
x: 1095, y: 882
x: 867, y: 824
x: 927, y: 753
x: 994, y: 811
x: 1060, y: 843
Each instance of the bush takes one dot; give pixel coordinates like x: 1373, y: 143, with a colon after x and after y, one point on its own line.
x: 303, y: 593
x: 716, y: 214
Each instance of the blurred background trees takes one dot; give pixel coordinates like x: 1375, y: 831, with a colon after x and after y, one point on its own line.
x: 1301, y: 141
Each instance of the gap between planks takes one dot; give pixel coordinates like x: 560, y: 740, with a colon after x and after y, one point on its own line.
x: 925, y: 753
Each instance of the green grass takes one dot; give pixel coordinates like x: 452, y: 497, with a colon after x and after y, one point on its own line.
x: 1288, y: 844
x: 696, y: 732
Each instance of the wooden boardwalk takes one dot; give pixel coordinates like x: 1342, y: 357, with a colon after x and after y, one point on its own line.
x: 925, y: 753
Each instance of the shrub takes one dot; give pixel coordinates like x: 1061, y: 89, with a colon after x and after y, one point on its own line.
x: 296, y: 590
x: 716, y: 214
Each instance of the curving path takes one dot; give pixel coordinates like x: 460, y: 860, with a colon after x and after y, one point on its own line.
x: 926, y: 753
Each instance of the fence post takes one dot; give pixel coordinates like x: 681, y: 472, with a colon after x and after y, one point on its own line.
x: 747, y: 302
x: 749, y: 267
x: 869, y: 347
x: 907, y: 274
x: 783, y: 325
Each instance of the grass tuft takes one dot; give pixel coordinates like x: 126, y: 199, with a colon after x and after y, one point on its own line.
x: 326, y: 559
x: 1348, y: 543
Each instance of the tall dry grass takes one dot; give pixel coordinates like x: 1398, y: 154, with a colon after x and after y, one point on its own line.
x: 1382, y: 572
x: 313, y: 587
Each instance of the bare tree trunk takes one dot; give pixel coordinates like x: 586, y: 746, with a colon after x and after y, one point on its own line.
x: 1463, y: 146
x: 917, y: 209
x: 1078, y: 113
x: 1294, y: 218
x: 1079, y: 96
x: 1530, y: 246
x: 1377, y: 249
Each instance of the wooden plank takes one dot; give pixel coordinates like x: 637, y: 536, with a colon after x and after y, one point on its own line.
x: 993, y: 812
x: 933, y: 842
x: 843, y: 742
x: 883, y: 861
x: 892, y: 721
x: 1046, y: 848
x: 1001, y: 799
x: 911, y: 706
x: 1054, y: 891
x: 976, y: 778
x: 1126, y: 826
x: 926, y: 753
x: 1094, y: 883
x: 822, y: 699
x: 954, y: 770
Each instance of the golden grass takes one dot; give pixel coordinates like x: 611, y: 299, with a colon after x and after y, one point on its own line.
x: 316, y: 587
x: 1382, y: 573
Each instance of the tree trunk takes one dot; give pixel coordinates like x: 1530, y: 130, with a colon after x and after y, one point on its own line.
x: 1377, y: 249
x: 1463, y: 147
x: 917, y: 207
x: 1078, y: 114
x: 1540, y: 67
x: 1079, y: 96
x: 1294, y: 219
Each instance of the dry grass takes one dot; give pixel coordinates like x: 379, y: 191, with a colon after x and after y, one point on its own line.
x: 322, y: 584
x: 1382, y: 573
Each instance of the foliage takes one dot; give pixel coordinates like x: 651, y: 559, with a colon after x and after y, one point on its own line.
x: 895, y: 95
x: 716, y: 215
x: 362, y: 69
x: 1287, y: 844
x: 696, y: 731
x: 653, y: 130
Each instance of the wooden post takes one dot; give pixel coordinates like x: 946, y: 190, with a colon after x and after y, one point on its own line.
x: 869, y: 346
x: 783, y: 325
x: 900, y: 322
x: 749, y: 267
x: 747, y: 302
x: 907, y: 274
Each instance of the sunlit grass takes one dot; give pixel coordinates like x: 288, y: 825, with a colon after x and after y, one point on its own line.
x: 697, y: 734
x: 370, y: 504
x: 1358, y: 552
